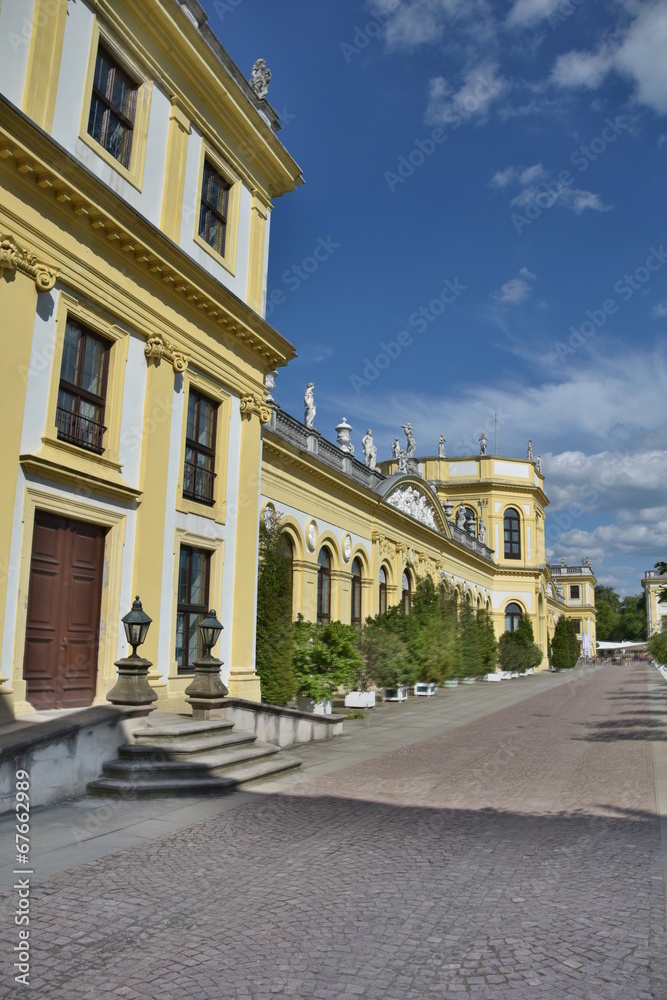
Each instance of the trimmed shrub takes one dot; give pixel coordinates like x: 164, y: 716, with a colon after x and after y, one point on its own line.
x: 273, y: 648
x: 325, y: 657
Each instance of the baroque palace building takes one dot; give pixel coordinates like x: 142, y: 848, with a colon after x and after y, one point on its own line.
x: 138, y: 168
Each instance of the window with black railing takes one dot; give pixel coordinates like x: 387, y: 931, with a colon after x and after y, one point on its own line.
x: 82, y: 388
x: 199, y: 468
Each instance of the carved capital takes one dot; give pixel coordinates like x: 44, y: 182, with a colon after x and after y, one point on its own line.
x: 158, y: 347
x: 253, y: 404
x: 15, y: 258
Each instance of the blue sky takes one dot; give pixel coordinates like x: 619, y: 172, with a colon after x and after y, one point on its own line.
x: 488, y: 180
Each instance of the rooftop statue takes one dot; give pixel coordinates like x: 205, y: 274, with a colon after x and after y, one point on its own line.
x: 260, y: 77
x: 309, y: 403
x: 370, y: 449
x: 482, y: 444
x: 441, y: 446
x: 410, y: 451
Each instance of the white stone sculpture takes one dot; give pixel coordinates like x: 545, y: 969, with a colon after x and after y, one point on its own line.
x: 441, y: 446
x: 343, y: 431
x: 260, y: 77
x: 461, y: 516
x: 370, y: 449
x: 481, y: 534
x: 410, y: 450
x: 312, y: 536
x: 395, y: 448
x: 530, y: 450
x: 482, y: 444
x: 270, y: 384
x: 402, y: 461
x: 347, y: 548
x: 309, y: 403
x: 538, y: 464
x: 411, y: 501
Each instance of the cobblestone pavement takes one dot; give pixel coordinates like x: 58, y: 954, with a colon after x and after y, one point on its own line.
x: 517, y: 856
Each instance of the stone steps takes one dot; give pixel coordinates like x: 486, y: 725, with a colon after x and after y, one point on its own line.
x: 184, y: 757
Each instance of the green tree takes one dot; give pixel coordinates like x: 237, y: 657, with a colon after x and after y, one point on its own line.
x: 488, y: 644
x: 325, y: 657
x: 657, y: 646
x: 560, y: 645
x: 518, y: 651
x: 273, y: 647
x: 619, y: 618
x: 573, y: 643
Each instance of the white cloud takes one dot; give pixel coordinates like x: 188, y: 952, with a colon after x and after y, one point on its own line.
x: 660, y: 310
x: 424, y: 22
x: 527, y: 12
x: 532, y: 174
x: 480, y: 88
x: 642, y: 56
x: 639, y: 55
x: 503, y: 177
x: 513, y: 292
x: 582, y: 69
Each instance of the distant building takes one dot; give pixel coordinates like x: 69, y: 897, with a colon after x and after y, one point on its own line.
x: 577, y: 586
x: 656, y: 610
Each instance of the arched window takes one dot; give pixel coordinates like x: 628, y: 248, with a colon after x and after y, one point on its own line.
x: 407, y: 593
x: 512, y: 615
x: 383, y: 592
x: 356, y: 593
x: 324, y: 586
x: 512, y: 525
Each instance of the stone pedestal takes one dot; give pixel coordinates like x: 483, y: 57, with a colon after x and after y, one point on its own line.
x: 132, y: 687
x: 207, y: 692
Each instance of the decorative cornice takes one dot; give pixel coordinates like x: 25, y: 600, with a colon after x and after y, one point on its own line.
x: 253, y: 404
x: 158, y: 347
x: 253, y: 333
x: 15, y: 258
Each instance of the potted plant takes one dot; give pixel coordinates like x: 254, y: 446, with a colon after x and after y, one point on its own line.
x: 361, y: 696
x: 325, y: 658
x: 388, y: 660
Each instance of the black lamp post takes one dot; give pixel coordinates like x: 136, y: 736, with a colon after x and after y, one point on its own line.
x: 132, y: 687
x: 207, y: 690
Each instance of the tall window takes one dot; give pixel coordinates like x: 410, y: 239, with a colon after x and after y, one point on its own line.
x: 198, y: 473
x: 512, y: 525
x: 575, y: 592
x: 512, y: 615
x: 407, y: 593
x: 356, y: 593
x: 577, y: 625
x: 214, y: 209
x: 324, y: 586
x: 112, y: 107
x: 82, y: 389
x: 193, y: 580
x: 383, y: 592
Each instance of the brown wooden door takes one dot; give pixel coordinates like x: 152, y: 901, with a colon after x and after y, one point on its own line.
x: 62, y: 630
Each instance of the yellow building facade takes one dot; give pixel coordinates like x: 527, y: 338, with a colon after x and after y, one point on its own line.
x: 361, y: 537
x: 137, y: 170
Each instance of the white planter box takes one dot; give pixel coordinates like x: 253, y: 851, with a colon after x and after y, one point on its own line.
x: 467, y: 680
x: 422, y: 688
x: 396, y: 694
x: 360, y: 699
x: 454, y: 683
x: 316, y: 707
x: 494, y: 677
x: 530, y: 671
